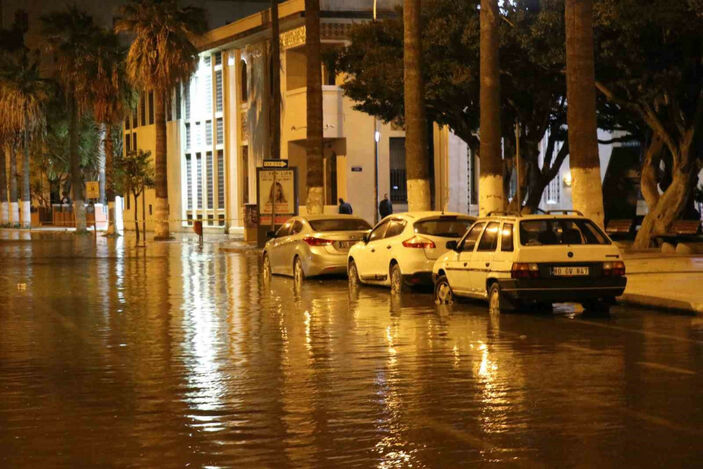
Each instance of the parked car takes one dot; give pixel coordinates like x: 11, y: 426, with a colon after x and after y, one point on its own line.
x: 312, y: 245
x: 512, y: 260
x: 402, y: 248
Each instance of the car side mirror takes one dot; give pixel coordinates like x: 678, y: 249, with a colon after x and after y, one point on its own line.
x: 270, y: 234
x: 365, y: 239
x: 452, y: 245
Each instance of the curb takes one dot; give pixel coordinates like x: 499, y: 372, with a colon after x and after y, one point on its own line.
x: 662, y: 303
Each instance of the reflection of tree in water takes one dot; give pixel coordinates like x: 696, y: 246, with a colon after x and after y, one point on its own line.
x: 257, y: 114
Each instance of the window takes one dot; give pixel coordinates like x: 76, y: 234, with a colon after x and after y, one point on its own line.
x: 560, y: 231
x: 210, y: 188
x: 218, y: 58
x: 218, y: 91
x: 189, y: 183
x: 135, y: 121
x: 445, y: 227
x: 208, y: 133
x: 346, y: 224
x: 552, y: 193
x: 134, y: 141
x: 506, y: 238
x: 128, y: 143
x: 395, y: 228
x: 379, y: 231
x: 178, y: 102
x: 151, y: 107
x: 142, y: 109
x: 208, y: 92
x: 297, y: 227
x: 221, y: 219
x: 210, y: 220
x: 284, y: 230
x: 187, y: 100
x: 471, y: 237
x: 489, y: 240
x: 188, y: 136
x: 243, y: 81
x: 220, y: 132
x: 126, y: 123
x: 399, y: 190
x: 245, y: 175
x: 199, y: 180
x: 220, y: 179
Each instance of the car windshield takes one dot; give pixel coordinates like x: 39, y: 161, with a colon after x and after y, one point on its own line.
x: 444, y: 227
x: 339, y: 224
x: 556, y: 231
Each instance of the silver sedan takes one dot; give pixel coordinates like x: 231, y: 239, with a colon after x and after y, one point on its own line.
x: 313, y: 245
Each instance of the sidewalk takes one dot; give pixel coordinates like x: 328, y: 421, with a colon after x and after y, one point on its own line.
x: 666, y: 281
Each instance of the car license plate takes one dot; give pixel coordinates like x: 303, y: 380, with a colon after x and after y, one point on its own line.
x: 569, y: 271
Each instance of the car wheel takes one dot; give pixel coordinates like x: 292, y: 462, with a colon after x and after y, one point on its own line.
x: 298, y: 273
x: 397, y: 284
x: 497, y: 301
x: 353, y: 274
x: 443, y: 293
x: 267, y: 266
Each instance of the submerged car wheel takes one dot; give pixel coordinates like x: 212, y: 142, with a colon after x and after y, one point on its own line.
x: 497, y: 301
x: 443, y: 294
x: 596, y: 306
x: 298, y: 273
x: 353, y: 274
x: 397, y: 284
x: 267, y: 266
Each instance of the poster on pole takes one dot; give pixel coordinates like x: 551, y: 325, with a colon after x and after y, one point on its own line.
x: 92, y: 190
x: 277, y: 192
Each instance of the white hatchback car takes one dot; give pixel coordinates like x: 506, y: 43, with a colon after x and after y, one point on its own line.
x: 402, y: 248
x: 512, y: 260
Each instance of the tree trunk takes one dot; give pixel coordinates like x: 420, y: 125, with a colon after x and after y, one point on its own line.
x: 136, y: 218
x: 586, y: 188
x: 416, y: 158
x: 14, y: 209
x: 4, y: 206
x: 490, y: 191
x: 275, y: 114
x: 161, y: 209
x: 109, y: 180
x: 26, y: 197
x: 76, y: 173
x: 314, y: 111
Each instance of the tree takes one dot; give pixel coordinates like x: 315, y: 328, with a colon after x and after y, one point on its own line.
x: 490, y: 190
x: 314, y: 107
x: 22, y: 101
x: 135, y: 173
x: 650, y: 68
x: 416, y: 157
x: 161, y: 57
x: 111, y: 97
x: 586, y: 189
x: 69, y: 35
x: 532, y: 79
x: 275, y: 116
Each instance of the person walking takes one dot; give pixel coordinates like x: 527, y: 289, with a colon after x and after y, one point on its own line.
x: 345, y: 207
x: 385, y: 207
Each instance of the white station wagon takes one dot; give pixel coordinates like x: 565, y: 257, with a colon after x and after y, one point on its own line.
x: 512, y: 260
x: 402, y: 248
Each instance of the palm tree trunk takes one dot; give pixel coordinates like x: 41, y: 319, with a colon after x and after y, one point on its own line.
x: 586, y: 188
x: 109, y: 183
x: 416, y: 158
x: 275, y: 114
x: 491, y: 181
x: 314, y: 110
x: 14, y: 209
x: 4, y: 206
x: 161, y: 228
x: 101, y: 162
x: 26, y: 214
x: 76, y: 173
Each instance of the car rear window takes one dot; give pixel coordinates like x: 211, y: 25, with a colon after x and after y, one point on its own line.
x: 560, y: 231
x: 444, y: 227
x: 342, y: 224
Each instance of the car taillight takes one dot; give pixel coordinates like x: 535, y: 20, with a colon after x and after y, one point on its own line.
x: 613, y: 269
x: 419, y: 242
x: 312, y: 241
x: 524, y: 270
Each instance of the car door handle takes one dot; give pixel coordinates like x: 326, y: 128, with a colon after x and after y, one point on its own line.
x: 465, y: 264
x: 373, y: 250
x: 488, y: 264
x: 388, y: 247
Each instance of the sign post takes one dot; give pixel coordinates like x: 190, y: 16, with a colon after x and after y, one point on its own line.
x: 276, y: 193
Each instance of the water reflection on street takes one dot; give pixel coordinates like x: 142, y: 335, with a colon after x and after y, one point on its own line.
x: 173, y: 355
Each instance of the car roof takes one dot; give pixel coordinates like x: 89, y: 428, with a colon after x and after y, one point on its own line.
x: 418, y: 215
x: 532, y: 216
x: 326, y: 216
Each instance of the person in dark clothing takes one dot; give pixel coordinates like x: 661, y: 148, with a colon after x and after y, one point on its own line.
x: 345, y: 207
x: 385, y: 207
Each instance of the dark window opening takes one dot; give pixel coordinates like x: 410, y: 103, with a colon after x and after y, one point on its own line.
x: 151, y: 107
x: 399, y: 189
x: 243, y: 80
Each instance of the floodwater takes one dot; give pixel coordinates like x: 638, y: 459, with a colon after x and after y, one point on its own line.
x: 175, y: 356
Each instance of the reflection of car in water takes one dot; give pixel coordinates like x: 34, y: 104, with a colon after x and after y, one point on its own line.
x: 512, y: 260
x: 402, y: 248
x: 313, y: 245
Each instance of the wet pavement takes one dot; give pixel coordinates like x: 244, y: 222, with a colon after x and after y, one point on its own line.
x: 173, y: 356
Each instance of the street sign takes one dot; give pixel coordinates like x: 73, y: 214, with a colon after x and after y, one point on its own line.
x: 275, y: 163
x: 92, y: 190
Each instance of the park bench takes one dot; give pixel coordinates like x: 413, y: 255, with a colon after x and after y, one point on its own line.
x: 620, y: 228
x: 682, y: 231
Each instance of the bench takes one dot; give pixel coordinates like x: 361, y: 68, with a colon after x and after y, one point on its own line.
x: 681, y: 231
x: 620, y: 228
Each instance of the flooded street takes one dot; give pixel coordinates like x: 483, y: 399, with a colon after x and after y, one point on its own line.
x: 175, y: 356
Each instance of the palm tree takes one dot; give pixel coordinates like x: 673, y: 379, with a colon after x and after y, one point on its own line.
x: 586, y: 189
x: 416, y: 158
x: 314, y: 112
x: 491, y: 181
x: 69, y: 36
x: 161, y: 57
x: 24, y: 94
x: 111, y: 99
